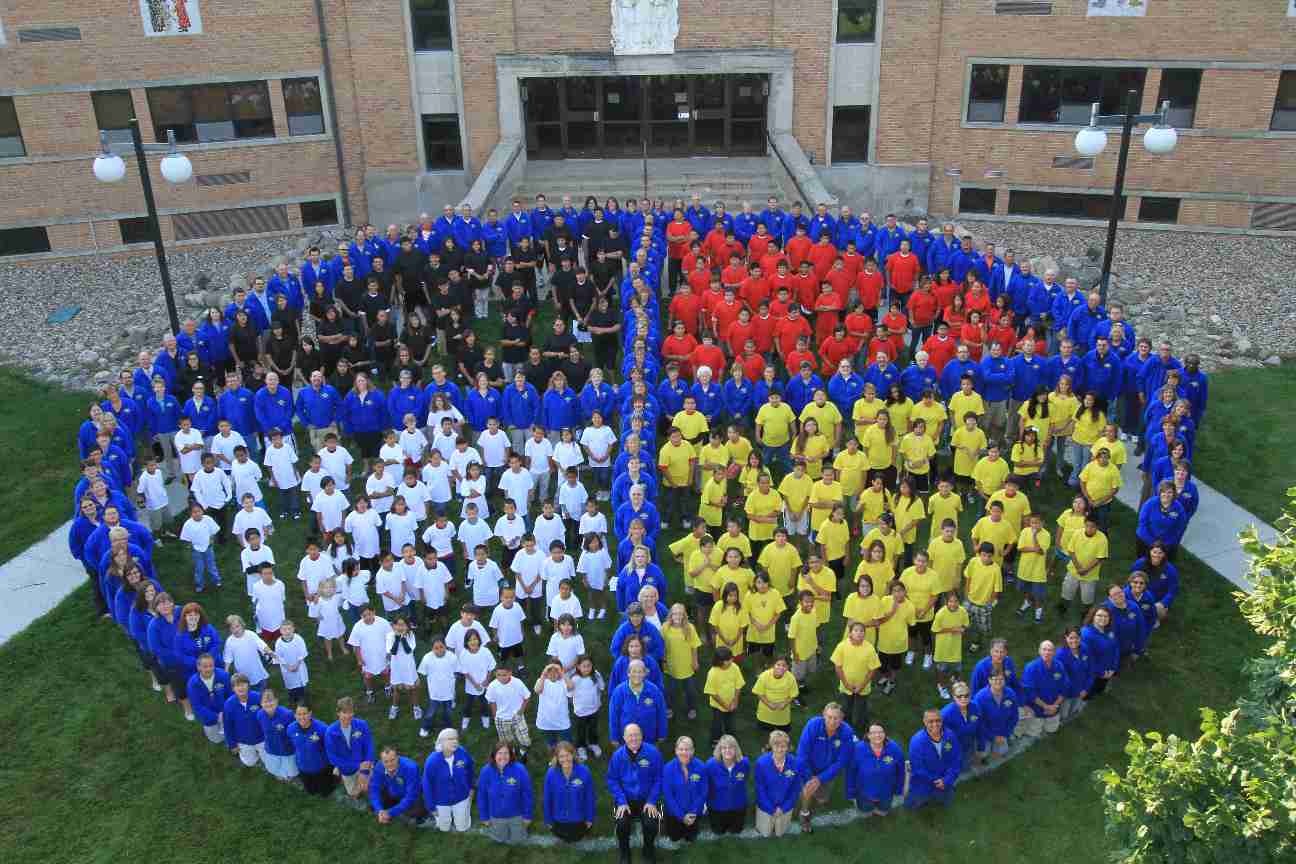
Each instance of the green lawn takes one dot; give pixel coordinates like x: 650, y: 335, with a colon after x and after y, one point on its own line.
x: 98, y: 768
x: 1245, y: 451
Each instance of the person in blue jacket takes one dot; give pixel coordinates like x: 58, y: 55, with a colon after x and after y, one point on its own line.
x: 1065, y: 304
x: 1098, y: 637
x: 395, y: 790
x: 634, y: 782
x: 1152, y: 376
x: 685, y: 790
x: 640, y: 702
x: 206, y: 692
x: 997, y: 661
x: 195, y: 637
x: 1086, y: 321
x: 877, y: 772
x: 881, y: 373
x: 559, y: 408
x: 708, y: 394
x: 1028, y: 375
x: 273, y: 405
x: 213, y: 339
x: 1132, y: 395
x: 519, y: 410
x: 801, y: 389
x: 963, y: 260
x: 1137, y: 594
x: 1163, y: 577
x: 318, y: 405
x: 1161, y: 518
x: 1195, y: 387
x: 406, y: 397
x: 737, y: 398
x: 963, y: 719
x: 636, y: 624
x: 778, y: 778
x: 934, y: 763
x: 1103, y: 372
x: 596, y: 395
x: 482, y: 403
x: 727, y: 772
x: 162, y: 411
x: 1066, y: 362
x: 824, y: 751
x: 201, y: 410
x: 494, y: 236
x: 941, y: 252
x: 567, y: 799
x: 1075, y: 658
x: 441, y: 383
x: 277, y: 754
x: 1044, y: 685
x: 313, y: 766
x: 350, y: 748
x: 918, y: 376
x: 638, y: 508
x: 449, y: 778
x: 243, y: 734
x: 505, y: 801
x: 236, y: 404
x: 1127, y: 621
x: 999, y: 707
x: 951, y: 376
x: 364, y: 417
x: 996, y: 389
x: 845, y: 387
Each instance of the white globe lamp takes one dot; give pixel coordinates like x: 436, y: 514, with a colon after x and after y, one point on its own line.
x: 1160, y: 140
x: 1090, y: 141
x: 109, y: 168
x: 176, y: 168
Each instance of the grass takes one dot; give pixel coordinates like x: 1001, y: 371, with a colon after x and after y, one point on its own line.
x: 1245, y: 452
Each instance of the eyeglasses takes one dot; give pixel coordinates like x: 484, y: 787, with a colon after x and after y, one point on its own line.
x: 962, y: 696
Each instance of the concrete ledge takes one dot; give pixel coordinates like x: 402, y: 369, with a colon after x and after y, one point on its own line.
x: 501, y: 172
x: 789, y: 165
x: 1132, y: 226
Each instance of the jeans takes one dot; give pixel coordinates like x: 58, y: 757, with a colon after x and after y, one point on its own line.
x: 681, y: 687
x: 437, y: 716
x: 1078, y: 456
x: 205, y: 561
x: 918, y: 335
x: 776, y: 456
x: 290, y: 501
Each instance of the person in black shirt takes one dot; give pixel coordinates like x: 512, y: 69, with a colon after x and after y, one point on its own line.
x: 343, y: 378
x: 320, y: 299
x: 372, y: 303
x: 332, y: 337
x: 479, y: 270
x: 360, y: 356
x: 505, y: 278
x: 455, y: 327
x: 382, y: 340
x: 461, y: 293
x: 555, y: 349
x: 561, y: 285
x: 285, y: 316
x: 451, y: 254
x: 386, y: 280
x: 409, y: 269
x: 418, y: 339
x: 581, y: 302
x: 615, y: 245
x: 244, y: 344
x: 443, y: 305
x: 605, y: 331
x: 562, y: 250
x: 521, y: 306
x: 468, y: 358
x: 490, y: 367
x: 596, y: 232
x: 194, y: 371
x: 557, y: 228
x: 514, y: 342
x: 405, y: 363
x: 525, y: 261
x: 576, y: 368
x: 349, y: 294
x: 434, y: 273
x: 536, y: 370
x: 281, y: 354
x: 309, y: 357
x: 604, y: 272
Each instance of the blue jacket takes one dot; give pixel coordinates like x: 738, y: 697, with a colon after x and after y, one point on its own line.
x: 941, y: 255
x: 161, y: 641
x: 981, y: 673
x: 1023, y: 288
x: 364, y: 415
x: 201, y: 414
x: 138, y: 627
x: 447, y: 783
x: 1190, y: 499
x: 847, y: 231
x: 465, y: 231
x: 447, y: 387
x: 998, y: 719
x: 518, y: 225
x: 237, y: 407
x: 992, y: 275
x: 1059, y: 366
x: 208, y: 704
x: 820, y: 224
x: 478, y: 408
x: 913, y: 381
x: 1063, y: 308
x: 996, y: 379
x: 888, y: 241
x: 761, y: 391
x: 274, y: 410
x: 404, y: 785
x: 1152, y: 376
x: 670, y: 395
x: 685, y: 794
x: 1131, y: 629
x: 290, y: 287
x: 773, y: 220
x: 117, y: 463
x: 213, y: 343
x: 961, y: 264
x: 566, y: 799
x: 621, y: 670
x: 308, y: 747
x: 648, y: 709
x: 240, y: 720
x: 921, y: 242
x: 494, y: 239
x: 873, y: 777
x: 163, y: 416
x: 710, y: 400
x: 648, y: 514
x: 775, y: 789
x: 700, y: 218
x: 1196, y: 389
x: 953, y: 373
x: 1146, y: 604
x: 189, y: 646
x: 310, y: 275
x: 966, y: 729
x: 559, y: 410
x: 727, y: 787
x: 629, y: 584
x: 930, y: 761
x: 1157, y: 524
x: 621, y: 487
x: 130, y: 415
x: 845, y: 391
x: 274, y: 730
x: 635, y: 777
x: 1084, y: 324
x: 168, y: 367
x: 1164, y: 582
x: 800, y: 393
x: 823, y: 755
x: 738, y: 399
x: 347, y: 754
x: 1044, y: 683
x: 1028, y: 375
x: 318, y: 408
x: 649, y: 635
x: 519, y: 409
x: 542, y: 218
x: 596, y: 398
x: 1103, y: 375
x: 880, y: 378
x: 1079, y: 669
x: 744, y: 227
x: 1103, y: 648
x: 81, y: 532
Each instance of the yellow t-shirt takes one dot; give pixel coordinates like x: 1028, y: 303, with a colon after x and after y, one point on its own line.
x: 740, y: 576
x: 682, y: 549
x: 739, y: 450
x: 826, y: 415
x: 1014, y: 508
x: 765, y: 606
x: 893, y: 543
x: 863, y: 610
x: 823, y: 496
x: 942, y: 507
x: 1116, y: 449
x: 692, y: 426
x: 1068, y: 523
x: 729, y: 623
x: 826, y: 581
x: 947, y: 560
x: 901, y: 413
x: 711, y: 502
x: 881, y: 452
x: 873, y: 504
x: 1062, y: 411
x: 949, y: 646
x: 783, y: 689
x: 747, y: 478
x: 880, y: 573
x: 1042, y: 425
x: 1001, y: 534
x: 704, y: 568
x: 776, y: 423
x: 916, y: 452
x: 780, y: 562
x: 1087, y: 428
x: 1022, y: 454
x: 766, y: 504
x: 722, y: 685
x: 1033, y: 566
x: 851, y: 470
x: 678, y: 463
x: 1100, y: 481
x: 908, y: 514
x: 739, y: 541
x: 1084, y: 550
x: 803, y: 634
x: 961, y: 403
x: 856, y: 662
x: 963, y: 439
x: 679, y: 645
x: 796, y: 491
x: 990, y: 475
x: 920, y: 590
x: 816, y: 448
x: 835, y: 537
x: 711, y: 455
x: 865, y: 410
x: 984, y: 581
x: 893, y: 634
x: 933, y: 415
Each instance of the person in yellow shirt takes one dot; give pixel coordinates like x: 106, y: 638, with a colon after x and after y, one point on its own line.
x: 734, y: 538
x: 776, y: 691
x: 932, y: 413
x: 880, y: 443
x: 1015, y: 503
x: 795, y: 489
x: 1034, y: 414
x: 733, y: 572
x: 825, y: 494
x: 692, y: 423
x: 943, y: 504
x: 922, y: 587
x: 988, y: 475
x: 909, y: 512
x: 833, y: 538
x: 781, y: 561
x: 1069, y: 522
x: 803, y: 640
x: 738, y: 445
x: 946, y: 553
x: 1027, y: 456
x: 886, y: 533
x: 700, y: 573
x: 682, y: 549
x: 855, y: 662
x: 825, y: 414
x: 712, y: 455
x: 763, y: 507
x: 968, y: 443
x: 675, y: 463
x: 1099, y: 482
x: 900, y: 407
x: 865, y: 605
x: 1115, y: 447
x: 681, y: 649
x: 966, y: 400
x: 947, y: 629
x: 916, y: 452
x: 774, y: 423
x: 851, y: 467
x: 1088, y: 550
x: 982, y: 585
x: 729, y: 621
x: 763, y: 605
x: 1062, y: 416
x: 822, y: 583
x: 712, y: 501
x: 893, y: 635
x: 1089, y: 423
x: 875, y: 566
x: 994, y: 528
x: 874, y: 502
x: 1032, y: 565
x: 751, y: 472
x: 811, y: 446
x: 724, y: 685
x: 865, y: 411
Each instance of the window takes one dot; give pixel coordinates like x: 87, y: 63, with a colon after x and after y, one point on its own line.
x: 988, y: 94
x: 113, y: 112
x: 1159, y: 210
x: 23, y: 241
x: 441, y: 142
x: 977, y: 200
x: 212, y: 112
x: 1064, y: 94
x: 1066, y: 204
x: 856, y: 20
x: 1180, y: 87
x: 135, y: 230
x: 850, y: 138
x: 319, y: 213
x: 11, y: 142
x: 305, y: 110
x: 431, y: 20
x: 1284, y: 113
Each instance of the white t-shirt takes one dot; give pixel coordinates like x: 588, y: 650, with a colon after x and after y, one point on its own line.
x: 268, y: 600
x: 473, y: 534
x: 254, y: 518
x: 594, y: 566
x: 485, y: 583
x: 508, y: 699
x: 434, y: 418
x: 416, y: 497
x: 390, y: 582
x: 571, y: 499
x: 191, y: 462
x: 243, y: 654
x: 474, y: 492
x: 494, y: 448
x: 569, y: 606
x: 310, y: 482
x: 507, y: 624
x: 403, y: 528
x: 460, y: 460
x: 293, y: 653
x: 554, y: 572
x: 199, y: 534
x: 510, y: 531
x: 282, y: 462
x: 363, y: 528
x: 394, y: 455
x: 455, y: 635
x: 593, y: 523
x: 402, y: 670
x: 517, y: 486
x: 538, y: 454
x: 355, y: 588
x: 380, y: 491
x: 445, y: 444
x: 412, y: 443
x: 553, y: 710
x: 152, y: 488
x: 440, y: 538
x: 440, y: 675
x: 251, y: 560
x: 330, y: 508
x: 223, y: 446
x: 337, y: 464
x: 568, y: 455
x: 313, y: 572
x: 247, y: 480
x: 566, y: 649
x: 598, y: 442
x: 479, y: 665
x: 587, y: 693
x: 432, y: 583
x: 211, y: 490
x: 548, y: 530
x: 437, y: 480
x: 526, y: 568
x: 371, y: 639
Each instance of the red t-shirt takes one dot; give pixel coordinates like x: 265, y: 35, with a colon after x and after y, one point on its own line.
x: 922, y: 308
x: 805, y: 288
x: 779, y: 309
x: 677, y: 234
x: 714, y: 244
x: 754, y: 291
x: 955, y: 320
x: 685, y: 307
x: 724, y: 314
x: 676, y: 346
x: 827, y: 308
x: 869, y: 286
x: 737, y: 335
x: 859, y: 325
x: 733, y: 276
x: 763, y: 332
x: 757, y: 246
x: 903, y: 271
x: 940, y: 351
x: 1005, y: 335
x: 710, y: 300
x: 896, y: 325
x: 833, y: 351
x: 973, y: 338
x: 853, y: 263
x: 769, y: 264
x: 797, y: 249
x: 787, y: 331
x: 841, y: 281
x: 708, y: 355
x: 977, y: 301
x: 822, y: 256
x: 753, y: 366
x: 884, y: 345
x: 794, y: 359
x: 945, y: 292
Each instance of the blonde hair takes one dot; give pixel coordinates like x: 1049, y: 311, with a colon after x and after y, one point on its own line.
x: 728, y: 739
x: 779, y: 735
x: 231, y: 620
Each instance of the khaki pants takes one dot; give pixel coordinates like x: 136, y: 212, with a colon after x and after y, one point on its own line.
x: 1087, y: 589
x: 775, y: 824
x: 803, y: 669
x: 317, y: 436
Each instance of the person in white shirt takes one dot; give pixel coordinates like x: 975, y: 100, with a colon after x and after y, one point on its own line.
x: 460, y: 458
x: 329, y: 506
x: 363, y: 525
x: 472, y: 533
x: 413, y: 442
x: 587, y: 698
x: 539, y: 451
x: 516, y: 483
x: 369, y: 639
x: 390, y: 585
x: 250, y: 516
x: 493, y: 444
x: 438, y: 669
x: 415, y: 493
x: 592, y: 521
x: 475, y: 664
x: 336, y: 461
x: 402, y: 669
x: 440, y: 537
x: 459, y: 629
x: 432, y: 582
x: 189, y: 447
x: 243, y: 651
x: 572, y: 498
x: 379, y: 489
x: 557, y: 567
x: 444, y: 437
x: 281, y: 460
x: 472, y: 489
x: 312, y: 481
x: 485, y: 576
x: 246, y: 476
x: 151, y: 488
x: 598, y: 441
x: 392, y: 458
x: 549, y: 527
x: 291, y: 651
x: 401, y: 524
x: 567, y: 453
x: 507, y: 621
x: 269, y: 597
x: 410, y: 568
x: 198, y: 531
x: 565, y: 602
x: 566, y: 645
x: 508, y: 698
x: 510, y: 529
x: 553, y: 711
x: 593, y: 567
x: 436, y: 476
x: 314, y: 568
x: 254, y: 554
x: 528, y: 583
x: 211, y: 488
x: 224, y: 443
x: 327, y: 607
x: 353, y: 583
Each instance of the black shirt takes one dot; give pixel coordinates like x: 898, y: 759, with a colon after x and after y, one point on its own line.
x: 577, y: 373
x: 478, y: 262
x: 557, y: 256
x: 410, y: 267
x: 372, y: 303
x: 516, y: 353
x: 559, y: 342
x: 562, y: 283
x: 383, y: 332
x: 522, y: 309
x: 442, y: 303
x: 537, y: 376
x: 341, y: 383
x: 603, y: 272
x: 416, y: 339
x: 466, y: 360
x: 597, y: 232
x: 526, y: 274
x: 288, y: 320
x: 494, y: 373
x: 351, y: 294
x: 309, y: 360
x: 243, y: 341
x: 582, y: 296
x: 281, y: 352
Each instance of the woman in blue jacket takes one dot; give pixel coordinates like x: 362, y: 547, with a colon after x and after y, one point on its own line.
x: 963, y: 720
x: 877, y: 773
x: 505, y: 801
x: 1161, y: 518
x: 313, y: 766
x: 482, y: 404
x: 727, y: 772
x: 448, y: 781
x: 140, y: 617
x: 559, y: 407
x: 162, y: 633
x: 1075, y: 657
x: 778, y: 780
x: 596, y: 395
x: 1099, y: 638
x: 194, y: 636
x: 568, y: 800
x: 997, y: 661
x: 1163, y: 578
x: 364, y: 417
x: 685, y: 790
x: 737, y: 397
x: 1140, y: 596
x: 1127, y: 621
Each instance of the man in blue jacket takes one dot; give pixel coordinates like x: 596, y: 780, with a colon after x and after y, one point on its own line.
x: 1065, y: 303
x: 1065, y: 362
x: 395, y: 791
x: 921, y: 239
x: 1103, y: 373
x: 822, y: 222
x: 1029, y: 372
x: 1195, y: 387
x: 990, y: 270
x: 996, y: 388
x: 638, y: 507
x: 918, y: 376
x: 845, y: 387
x: 934, y: 763
x: 518, y: 225
x: 634, y: 781
x: 317, y: 408
x: 847, y: 229
x: 954, y: 370
x: 1020, y: 285
x: 1044, y: 684
x: 1086, y: 321
x: 162, y: 412
x: 350, y: 748
x: 286, y: 283
x: 940, y: 254
x: 273, y: 405
x: 962, y: 261
x: 639, y: 703
x: 408, y: 398
x: 307, y: 737
x: 207, y: 690
x: 235, y: 404
x: 824, y: 751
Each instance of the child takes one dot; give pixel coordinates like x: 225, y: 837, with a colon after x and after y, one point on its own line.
x: 391, y: 456
x: 893, y: 636
x: 567, y: 453
x: 438, y: 668
x: 781, y: 561
x: 539, y: 453
x: 763, y: 607
x: 776, y: 691
x: 587, y: 689
x: 948, y: 627
x: 290, y: 651
x: 485, y: 576
x: 833, y: 539
x: 723, y: 688
x: 473, y: 532
x: 820, y: 582
x: 917, y: 450
x: 335, y: 461
x: 443, y: 440
x: 593, y: 568
x: 432, y: 581
x: 593, y: 523
x: 353, y: 584
x: 565, y: 602
x: 328, y: 506
x: 312, y: 484
x: 922, y: 586
x: 281, y: 460
x: 553, y: 712
x: 989, y: 475
x: 268, y: 596
x: 713, y: 500
x: 508, y: 698
x: 1027, y: 456
x: 413, y: 443
x: 566, y: 645
x: 528, y: 583
x: 246, y: 477
x: 369, y: 639
x: 436, y: 476
x: 1032, y: 565
x: 249, y: 517
x: 549, y: 527
x: 401, y: 524
x: 189, y: 447
x: 968, y: 443
x: 506, y: 622
x: 198, y: 531
x: 493, y: 443
x: 983, y: 582
x: 458, y: 631
x: 795, y: 489
x: 475, y: 664
x: 517, y: 483
x: 510, y: 529
x: 379, y: 489
x: 363, y: 526
x: 945, y: 504
x: 598, y: 441
x: 729, y: 620
x: 803, y: 638
x: 211, y: 488
x: 572, y: 499
x: 151, y: 488
x: 401, y: 670
x: 472, y: 489
x: 327, y: 607
x: 874, y: 501
x: 439, y: 537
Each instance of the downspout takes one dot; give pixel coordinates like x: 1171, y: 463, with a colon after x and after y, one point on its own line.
x: 333, y: 112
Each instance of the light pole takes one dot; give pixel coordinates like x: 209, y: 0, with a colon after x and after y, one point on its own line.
x: 1090, y: 141
x: 175, y: 167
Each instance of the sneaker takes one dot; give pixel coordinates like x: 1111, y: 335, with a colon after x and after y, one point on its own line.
x: 1039, y: 616
x: 909, y: 658
x: 393, y: 712
x: 423, y: 733
x: 189, y: 716
x: 582, y: 755
x: 944, y: 693
x: 602, y: 614
x: 670, y: 713
x: 596, y: 750
x: 197, y: 590
x: 692, y: 714
x: 591, y: 615
x: 974, y: 647
x: 369, y: 697
x: 485, y: 722
x: 464, y: 725
x: 418, y: 713
x: 1021, y: 612
x: 536, y: 629
x: 157, y: 688
x: 927, y: 661
x: 807, y: 827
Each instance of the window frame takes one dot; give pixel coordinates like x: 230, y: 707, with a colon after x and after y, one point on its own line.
x: 1071, y: 90
x: 1160, y: 201
x: 1179, y: 121
x: 119, y: 134
x: 214, y: 108
x: 37, y: 248
x: 312, y: 222
x: 451, y: 144
x: 432, y: 11
x: 1288, y: 121
x: 978, y: 190
x: 292, y: 84
x: 1096, y: 206
x: 128, y: 226
x: 844, y: 155
x: 9, y: 109
x: 972, y: 92
x: 857, y: 7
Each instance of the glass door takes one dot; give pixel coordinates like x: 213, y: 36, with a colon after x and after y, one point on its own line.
x: 710, y: 114
x: 749, y: 94
x: 623, y: 106
x: 542, y: 108
x: 581, y: 114
x: 669, y: 115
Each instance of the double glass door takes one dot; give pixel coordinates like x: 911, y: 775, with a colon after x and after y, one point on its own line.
x: 662, y: 115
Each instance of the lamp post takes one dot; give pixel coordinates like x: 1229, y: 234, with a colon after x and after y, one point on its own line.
x: 176, y: 169
x: 1090, y: 141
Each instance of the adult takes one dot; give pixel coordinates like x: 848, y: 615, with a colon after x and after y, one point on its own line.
x: 778, y: 780
x: 1000, y: 709
x: 395, y: 790
x: 448, y: 782
x: 727, y: 772
x: 684, y: 793
x: 313, y: 766
x: 634, y: 781
x: 824, y: 751
x: 349, y: 745
x: 637, y: 702
x: 934, y: 761
x: 1044, y: 685
x: 1161, y: 519
x: 568, y: 800
x: 877, y: 772
x: 505, y: 801
x: 207, y: 690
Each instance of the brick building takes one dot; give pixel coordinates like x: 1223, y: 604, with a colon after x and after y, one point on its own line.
x: 304, y: 112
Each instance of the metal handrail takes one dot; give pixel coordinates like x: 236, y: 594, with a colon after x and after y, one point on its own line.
x: 788, y: 170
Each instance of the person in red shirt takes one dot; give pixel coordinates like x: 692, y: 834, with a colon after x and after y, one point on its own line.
x: 763, y: 325
x: 714, y: 243
x: 955, y: 315
x: 789, y: 329
x: 695, y: 251
x: 686, y: 306
x: 713, y: 297
x: 678, y: 232
x: 740, y: 331
x: 827, y: 309
x: 725, y: 313
x: 731, y: 247
x: 734, y: 274
x: 945, y: 289
x: 896, y: 324
x: 973, y: 336
x: 805, y: 288
x: 759, y: 244
x: 773, y: 255
x: 781, y: 303
x: 923, y: 309
x: 752, y: 362
x: 707, y: 354
x: 782, y: 278
x: 902, y: 270
x: 1003, y: 330
x: 869, y: 286
x: 798, y: 247
x: 940, y: 348
x: 841, y: 280
x: 879, y: 342
x: 679, y: 347
x: 1033, y: 334
x: 755, y: 288
x: 859, y: 325
x: 852, y: 261
x: 835, y: 349
x: 977, y: 299
x: 822, y: 255
x: 800, y: 354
